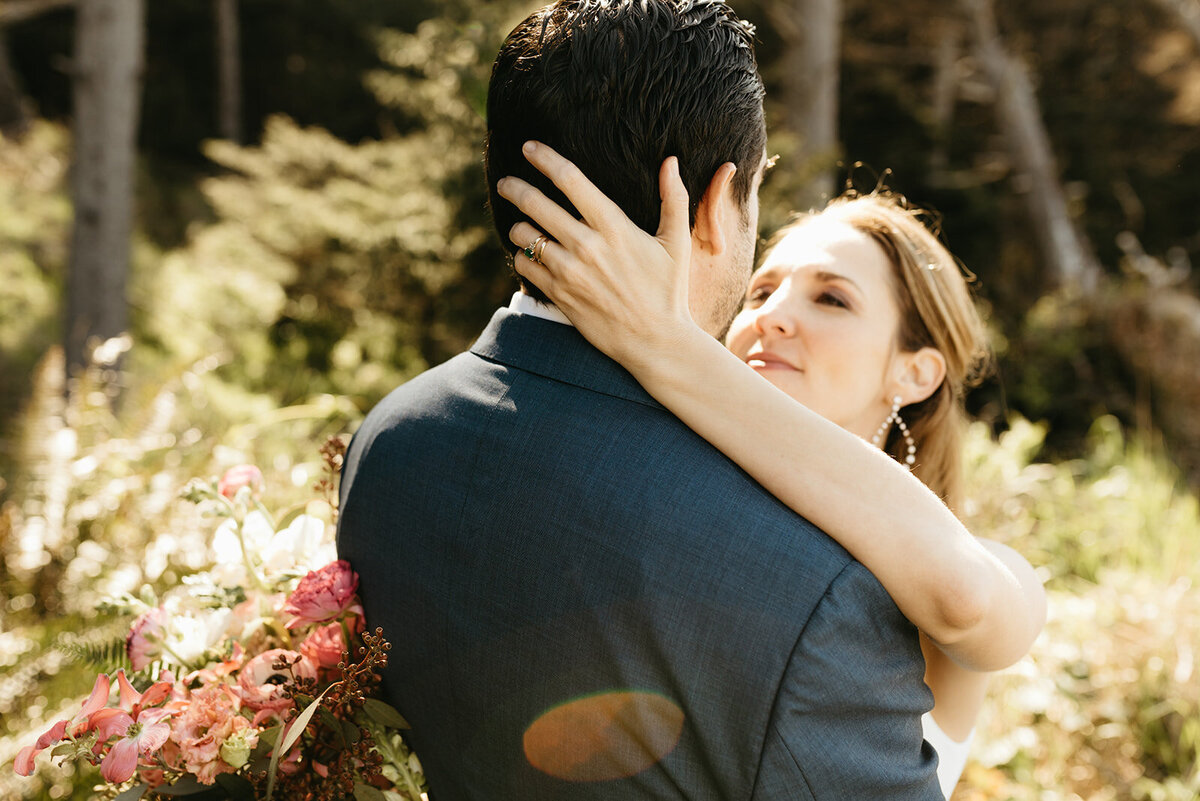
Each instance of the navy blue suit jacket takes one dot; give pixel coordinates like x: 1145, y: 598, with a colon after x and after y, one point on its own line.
x: 586, y: 600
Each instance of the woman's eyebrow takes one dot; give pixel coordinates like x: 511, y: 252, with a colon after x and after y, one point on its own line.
x: 828, y: 275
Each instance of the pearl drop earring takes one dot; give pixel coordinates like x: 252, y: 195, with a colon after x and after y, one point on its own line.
x: 911, y: 457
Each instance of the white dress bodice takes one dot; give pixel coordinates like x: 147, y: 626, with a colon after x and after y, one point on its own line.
x: 952, y: 755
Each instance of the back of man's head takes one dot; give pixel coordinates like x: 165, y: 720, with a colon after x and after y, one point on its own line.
x: 617, y: 86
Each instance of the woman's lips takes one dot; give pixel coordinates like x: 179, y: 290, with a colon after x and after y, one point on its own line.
x: 769, y: 361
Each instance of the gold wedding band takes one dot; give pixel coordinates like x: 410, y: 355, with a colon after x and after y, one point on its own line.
x: 534, y: 250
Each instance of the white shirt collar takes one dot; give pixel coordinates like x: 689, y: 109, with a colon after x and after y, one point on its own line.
x: 527, y: 304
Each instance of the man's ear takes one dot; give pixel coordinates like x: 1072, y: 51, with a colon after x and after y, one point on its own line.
x: 715, y: 204
x: 919, y: 375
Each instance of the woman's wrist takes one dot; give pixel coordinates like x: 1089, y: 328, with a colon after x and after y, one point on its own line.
x: 671, y: 352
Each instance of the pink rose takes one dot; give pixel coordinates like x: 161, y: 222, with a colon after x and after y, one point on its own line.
x: 323, y: 595
x: 244, y: 475
x: 260, y: 684
x: 144, y: 641
x: 325, y: 646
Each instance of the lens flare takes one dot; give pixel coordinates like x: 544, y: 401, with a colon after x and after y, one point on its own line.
x: 606, y: 736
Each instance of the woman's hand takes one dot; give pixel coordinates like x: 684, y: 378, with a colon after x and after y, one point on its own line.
x: 626, y: 291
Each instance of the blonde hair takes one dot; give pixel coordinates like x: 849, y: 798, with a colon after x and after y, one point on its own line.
x: 936, y: 311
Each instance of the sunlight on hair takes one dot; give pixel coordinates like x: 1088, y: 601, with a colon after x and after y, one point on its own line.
x: 606, y: 736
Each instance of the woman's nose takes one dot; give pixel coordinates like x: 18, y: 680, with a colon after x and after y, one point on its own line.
x: 773, y: 317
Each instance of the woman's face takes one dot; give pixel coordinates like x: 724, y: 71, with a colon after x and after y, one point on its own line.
x: 820, y: 322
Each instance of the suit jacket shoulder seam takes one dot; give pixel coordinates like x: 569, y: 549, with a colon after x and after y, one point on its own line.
x: 772, y: 728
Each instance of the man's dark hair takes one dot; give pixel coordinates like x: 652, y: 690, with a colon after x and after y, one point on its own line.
x: 619, y: 85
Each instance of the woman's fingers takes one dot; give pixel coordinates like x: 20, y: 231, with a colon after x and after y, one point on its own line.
x: 674, y: 225
x: 552, y: 218
x: 594, y: 205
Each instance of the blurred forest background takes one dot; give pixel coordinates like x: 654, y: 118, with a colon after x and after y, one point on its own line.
x: 307, y: 229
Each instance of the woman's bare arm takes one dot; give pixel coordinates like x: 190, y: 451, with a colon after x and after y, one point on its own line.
x: 627, y: 293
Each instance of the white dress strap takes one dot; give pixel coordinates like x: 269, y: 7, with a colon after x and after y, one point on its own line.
x: 952, y: 755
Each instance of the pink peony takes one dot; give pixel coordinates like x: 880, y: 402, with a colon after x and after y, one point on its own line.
x: 260, y: 685
x: 325, y: 646
x: 244, y: 475
x: 209, y: 720
x: 323, y: 595
x: 144, y: 641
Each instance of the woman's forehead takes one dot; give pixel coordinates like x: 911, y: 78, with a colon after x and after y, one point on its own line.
x: 823, y: 244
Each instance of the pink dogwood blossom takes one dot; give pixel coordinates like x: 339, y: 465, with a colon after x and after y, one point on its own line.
x: 144, y: 733
x: 141, y: 729
x: 323, y: 595
x: 80, y: 723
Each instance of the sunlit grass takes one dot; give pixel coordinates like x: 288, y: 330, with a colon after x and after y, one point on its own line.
x: 1107, y: 705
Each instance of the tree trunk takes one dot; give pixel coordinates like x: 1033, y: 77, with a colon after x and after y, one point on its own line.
x: 945, y: 93
x: 1067, y: 253
x: 811, y: 32
x: 14, y: 117
x: 229, y: 69
x: 109, y: 38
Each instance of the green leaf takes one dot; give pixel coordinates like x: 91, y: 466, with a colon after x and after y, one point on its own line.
x: 350, y: 732
x: 290, y: 515
x: 269, y: 736
x: 238, y: 787
x: 293, y: 734
x: 385, y: 714
x: 302, y: 720
x: 63, y: 750
x: 333, y: 724
x: 133, y: 793
x: 186, y: 786
x: 365, y: 792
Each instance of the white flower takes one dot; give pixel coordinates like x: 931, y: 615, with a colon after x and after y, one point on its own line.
x: 190, y: 636
x: 296, y: 546
x: 229, y: 560
x: 187, y: 634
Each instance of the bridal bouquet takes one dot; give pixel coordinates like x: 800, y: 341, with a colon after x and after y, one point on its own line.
x: 252, y: 680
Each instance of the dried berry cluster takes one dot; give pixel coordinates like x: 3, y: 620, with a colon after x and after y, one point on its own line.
x: 336, y: 739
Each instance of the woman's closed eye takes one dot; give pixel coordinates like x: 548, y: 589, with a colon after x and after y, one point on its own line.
x: 758, y: 294
x: 835, y: 299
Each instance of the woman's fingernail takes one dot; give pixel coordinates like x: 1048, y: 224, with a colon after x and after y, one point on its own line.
x: 501, y: 184
x: 529, y: 148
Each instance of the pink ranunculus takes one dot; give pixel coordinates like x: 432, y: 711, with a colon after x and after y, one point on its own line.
x: 323, y: 595
x: 325, y: 646
x: 143, y: 644
x: 244, y: 475
x: 209, y: 719
x: 260, y: 685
